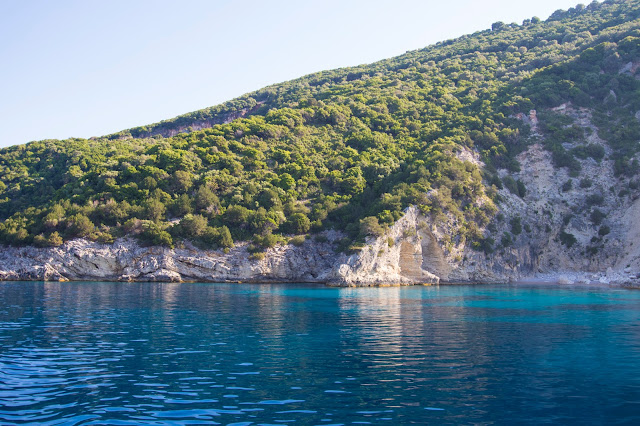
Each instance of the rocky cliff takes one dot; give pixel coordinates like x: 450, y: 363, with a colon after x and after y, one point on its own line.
x: 313, y: 261
x: 411, y: 252
x: 565, y: 229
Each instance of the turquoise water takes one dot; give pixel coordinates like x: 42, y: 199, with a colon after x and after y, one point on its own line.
x: 164, y: 354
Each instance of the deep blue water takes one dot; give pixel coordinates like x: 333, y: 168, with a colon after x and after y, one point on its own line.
x: 121, y: 353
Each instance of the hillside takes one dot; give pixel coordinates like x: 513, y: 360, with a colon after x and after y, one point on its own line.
x: 512, y: 152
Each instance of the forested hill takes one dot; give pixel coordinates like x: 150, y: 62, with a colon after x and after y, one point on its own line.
x: 347, y: 149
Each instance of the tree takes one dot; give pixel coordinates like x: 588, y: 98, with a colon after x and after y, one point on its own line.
x: 54, y: 217
x: 79, y: 225
x: 149, y: 183
x: 286, y: 182
x: 207, y: 200
x: 154, y: 209
x: 54, y: 239
x: 269, y: 198
x: 181, y: 206
x: 496, y: 26
x: 153, y: 234
x: 182, y: 181
x: 567, y: 239
x: 193, y: 226
x: 516, y: 225
x: 298, y: 223
x: 218, y: 237
x: 370, y: 226
x: 225, y: 238
x: 237, y: 215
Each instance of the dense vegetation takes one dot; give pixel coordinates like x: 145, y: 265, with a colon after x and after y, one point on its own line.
x: 345, y: 149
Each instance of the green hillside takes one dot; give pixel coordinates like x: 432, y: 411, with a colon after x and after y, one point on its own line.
x: 346, y: 149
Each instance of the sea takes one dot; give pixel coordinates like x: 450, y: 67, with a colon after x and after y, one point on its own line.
x: 104, y: 353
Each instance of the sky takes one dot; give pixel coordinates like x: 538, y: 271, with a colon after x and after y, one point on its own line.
x: 82, y: 68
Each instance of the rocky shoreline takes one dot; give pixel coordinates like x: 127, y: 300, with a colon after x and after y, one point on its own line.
x: 408, y: 254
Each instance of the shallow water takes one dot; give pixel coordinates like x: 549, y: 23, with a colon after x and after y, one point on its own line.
x: 121, y: 353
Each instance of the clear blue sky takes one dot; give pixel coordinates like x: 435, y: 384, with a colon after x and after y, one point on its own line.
x: 81, y: 68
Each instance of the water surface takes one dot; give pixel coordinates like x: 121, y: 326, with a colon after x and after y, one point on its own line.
x: 154, y: 353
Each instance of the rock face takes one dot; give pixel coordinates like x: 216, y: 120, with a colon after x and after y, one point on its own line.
x: 126, y: 260
x: 410, y: 253
x: 313, y: 261
x: 580, y: 229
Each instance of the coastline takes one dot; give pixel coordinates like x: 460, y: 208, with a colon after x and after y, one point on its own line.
x: 543, y: 282
x: 411, y: 260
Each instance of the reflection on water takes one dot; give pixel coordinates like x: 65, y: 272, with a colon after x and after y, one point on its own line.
x: 120, y: 353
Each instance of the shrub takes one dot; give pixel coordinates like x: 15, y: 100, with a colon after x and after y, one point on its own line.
x: 237, y: 215
x: 370, y: 226
x: 516, y: 187
x: 106, y: 238
x: 154, y: 209
x: 510, y: 184
x: 154, y: 235
x: 594, y: 200
x: 40, y: 241
x: 516, y: 226
x: 522, y: 190
x: 562, y: 158
x: 321, y: 238
x: 566, y: 219
x: 586, y: 183
x: 206, y: 199
x: 181, y: 206
x: 597, y: 216
x: 218, y: 237
x: 298, y: 240
x: 54, y: 239
x: 225, y: 238
x: 256, y: 256
x: 265, y: 241
x: 484, y: 244
x: 506, y: 239
x: 567, y: 239
x: 286, y: 182
x: 592, y: 150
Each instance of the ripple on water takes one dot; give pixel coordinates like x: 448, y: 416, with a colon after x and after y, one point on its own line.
x: 162, y: 354
x: 280, y: 402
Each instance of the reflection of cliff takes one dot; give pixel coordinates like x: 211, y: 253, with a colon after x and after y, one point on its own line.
x: 378, y: 319
x: 270, y: 314
x: 169, y: 294
x: 427, y: 339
